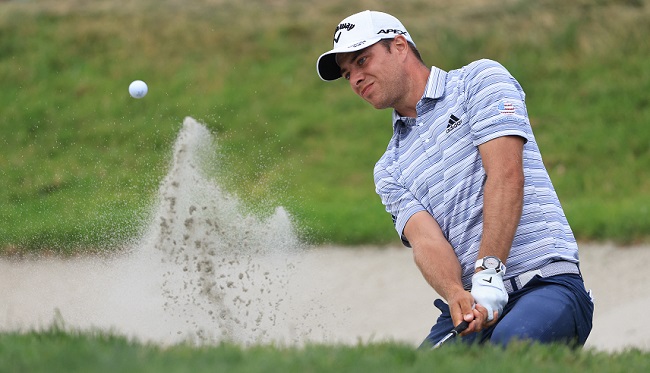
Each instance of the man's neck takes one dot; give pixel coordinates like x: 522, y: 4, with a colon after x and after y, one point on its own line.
x: 416, y: 86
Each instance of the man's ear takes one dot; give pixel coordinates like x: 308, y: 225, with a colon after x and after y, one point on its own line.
x: 401, y: 44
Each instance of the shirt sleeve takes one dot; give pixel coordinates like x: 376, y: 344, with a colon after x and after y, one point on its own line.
x: 495, y: 103
x: 398, y: 200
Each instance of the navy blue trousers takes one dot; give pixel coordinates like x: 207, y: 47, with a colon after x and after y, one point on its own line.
x: 546, y: 310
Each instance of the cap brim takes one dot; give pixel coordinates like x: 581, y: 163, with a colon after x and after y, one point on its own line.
x: 328, y: 69
x: 326, y: 65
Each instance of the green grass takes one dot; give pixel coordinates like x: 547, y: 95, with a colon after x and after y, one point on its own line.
x: 81, y: 160
x: 56, y: 351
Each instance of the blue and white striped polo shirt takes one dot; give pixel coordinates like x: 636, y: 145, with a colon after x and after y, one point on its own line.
x: 432, y: 163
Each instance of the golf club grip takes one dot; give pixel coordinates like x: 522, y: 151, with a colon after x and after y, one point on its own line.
x: 453, y: 333
x: 460, y: 327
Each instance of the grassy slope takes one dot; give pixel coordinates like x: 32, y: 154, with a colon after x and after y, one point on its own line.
x: 81, y: 160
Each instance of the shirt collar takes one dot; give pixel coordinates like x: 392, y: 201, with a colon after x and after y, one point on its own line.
x: 434, y: 90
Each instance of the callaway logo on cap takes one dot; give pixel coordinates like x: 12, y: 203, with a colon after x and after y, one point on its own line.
x: 357, y: 32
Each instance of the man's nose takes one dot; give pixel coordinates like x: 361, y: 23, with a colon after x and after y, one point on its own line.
x: 356, y: 77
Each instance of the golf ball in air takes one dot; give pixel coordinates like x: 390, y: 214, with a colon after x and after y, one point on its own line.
x: 138, y: 89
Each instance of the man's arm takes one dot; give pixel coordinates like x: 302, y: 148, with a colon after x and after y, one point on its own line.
x: 503, y: 194
x: 503, y: 200
x: 439, y: 265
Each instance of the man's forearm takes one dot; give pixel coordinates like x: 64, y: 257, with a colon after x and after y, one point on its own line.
x: 503, y: 195
x: 502, y: 206
x: 433, y: 254
x: 439, y: 267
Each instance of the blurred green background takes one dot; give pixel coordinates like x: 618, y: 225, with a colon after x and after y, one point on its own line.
x: 81, y: 160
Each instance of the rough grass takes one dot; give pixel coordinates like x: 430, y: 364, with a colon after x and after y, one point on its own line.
x: 58, y: 350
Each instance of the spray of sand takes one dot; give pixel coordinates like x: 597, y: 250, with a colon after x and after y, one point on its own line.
x: 204, y: 271
x: 226, y: 270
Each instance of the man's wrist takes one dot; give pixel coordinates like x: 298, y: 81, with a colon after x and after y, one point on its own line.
x: 490, y: 262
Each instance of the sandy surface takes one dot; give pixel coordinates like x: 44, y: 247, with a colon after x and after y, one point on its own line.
x: 329, y: 295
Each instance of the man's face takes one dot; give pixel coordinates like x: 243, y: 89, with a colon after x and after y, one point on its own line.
x: 373, y: 74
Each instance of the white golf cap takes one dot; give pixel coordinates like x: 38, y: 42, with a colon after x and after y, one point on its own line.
x: 357, y: 32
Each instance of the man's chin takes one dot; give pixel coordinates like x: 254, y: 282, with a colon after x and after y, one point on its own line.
x: 377, y: 105
x: 381, y: 107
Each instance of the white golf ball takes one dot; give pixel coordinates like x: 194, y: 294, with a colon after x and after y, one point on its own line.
x: 138, y: 89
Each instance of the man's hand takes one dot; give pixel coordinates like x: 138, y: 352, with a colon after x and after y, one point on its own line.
x: 489, y: 292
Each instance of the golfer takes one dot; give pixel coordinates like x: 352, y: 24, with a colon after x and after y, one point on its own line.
x: 464, y: 181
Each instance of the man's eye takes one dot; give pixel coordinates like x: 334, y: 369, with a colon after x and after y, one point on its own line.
x: 347, y: 76
x: 361, y: 61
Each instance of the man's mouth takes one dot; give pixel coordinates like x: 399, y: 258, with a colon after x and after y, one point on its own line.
x: 365, y: 90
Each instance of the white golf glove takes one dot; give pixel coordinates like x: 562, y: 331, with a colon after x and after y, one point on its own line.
x: 489, y: 292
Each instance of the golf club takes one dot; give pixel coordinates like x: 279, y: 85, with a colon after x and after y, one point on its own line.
x: 454, y: 332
